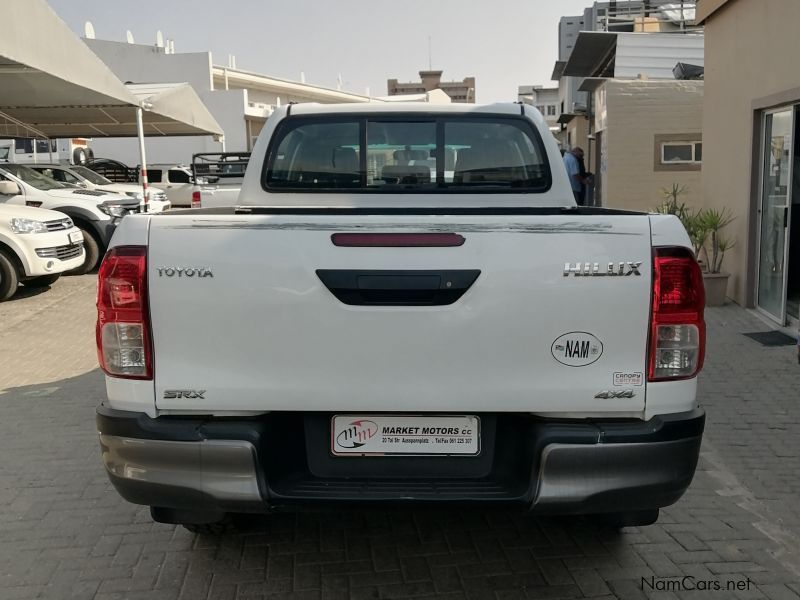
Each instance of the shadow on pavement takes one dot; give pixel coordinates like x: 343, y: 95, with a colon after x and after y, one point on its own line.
x: 24, y: 291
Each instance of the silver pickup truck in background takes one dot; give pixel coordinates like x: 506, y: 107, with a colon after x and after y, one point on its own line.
x: 218, y: 178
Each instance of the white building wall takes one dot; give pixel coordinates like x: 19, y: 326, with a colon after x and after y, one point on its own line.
x: 655, y: 54
x: 636, y: 112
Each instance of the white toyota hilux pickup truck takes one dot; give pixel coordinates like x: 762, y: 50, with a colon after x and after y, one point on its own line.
x: 406, y: 309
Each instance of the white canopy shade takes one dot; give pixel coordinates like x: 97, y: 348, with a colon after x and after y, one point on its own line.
x: 53, y: 85
x: 174, y: 109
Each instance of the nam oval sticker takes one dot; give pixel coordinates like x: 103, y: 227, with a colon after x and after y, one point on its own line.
x: 576, y: 349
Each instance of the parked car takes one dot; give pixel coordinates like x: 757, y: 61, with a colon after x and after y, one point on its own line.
x: 218, y: 178
x: 36, y: 246
x: 175, y: 180
x: 84, y: 177
x: 95, y: 213
x: 362, y: 332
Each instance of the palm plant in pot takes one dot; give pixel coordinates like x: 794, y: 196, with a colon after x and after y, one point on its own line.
x: 710, y: 224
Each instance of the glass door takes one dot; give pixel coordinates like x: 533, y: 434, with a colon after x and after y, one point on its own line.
x: 776, y: 179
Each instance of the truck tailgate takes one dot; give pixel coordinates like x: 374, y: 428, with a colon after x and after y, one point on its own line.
x: 261, y: 330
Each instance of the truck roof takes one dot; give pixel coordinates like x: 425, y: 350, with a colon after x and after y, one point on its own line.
x: 313, y: 108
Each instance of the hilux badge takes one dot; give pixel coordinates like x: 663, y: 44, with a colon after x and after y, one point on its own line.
x: 612, y: 269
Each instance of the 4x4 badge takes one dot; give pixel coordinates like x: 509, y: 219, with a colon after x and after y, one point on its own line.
x: 605, y: 394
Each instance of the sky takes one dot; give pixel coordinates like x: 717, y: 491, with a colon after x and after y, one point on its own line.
x: 503, y: 43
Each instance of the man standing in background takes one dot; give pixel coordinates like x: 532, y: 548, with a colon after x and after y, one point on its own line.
x: 572, y: 162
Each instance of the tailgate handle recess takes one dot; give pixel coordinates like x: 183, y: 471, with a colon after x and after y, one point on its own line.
x: 397, y: 288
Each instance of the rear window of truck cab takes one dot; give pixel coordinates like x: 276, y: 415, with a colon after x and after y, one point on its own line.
x: 407, y: 154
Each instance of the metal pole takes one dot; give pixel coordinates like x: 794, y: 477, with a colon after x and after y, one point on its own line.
x: 144, y: 205
x: 589, y: 199
x: 34, y: 151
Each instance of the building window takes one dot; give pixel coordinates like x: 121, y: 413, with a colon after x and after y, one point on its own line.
x: 673, y: 153
x: 551, y: 110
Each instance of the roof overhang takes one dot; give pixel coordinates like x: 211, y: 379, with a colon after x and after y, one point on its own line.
x: 590, y: 84
x: 565, y: 118
x: 592, y: 55
x: 705, y: 8
x: 558, y: 70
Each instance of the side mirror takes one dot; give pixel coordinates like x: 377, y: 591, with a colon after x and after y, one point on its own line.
x: 8, y: 188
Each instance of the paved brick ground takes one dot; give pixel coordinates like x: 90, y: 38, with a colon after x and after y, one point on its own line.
x: 64, y: 533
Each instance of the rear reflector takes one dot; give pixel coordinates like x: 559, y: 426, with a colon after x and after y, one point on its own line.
x: 123, y: 328
x: 196, y: 200
x: 677, y: 328
x: 397, y: 240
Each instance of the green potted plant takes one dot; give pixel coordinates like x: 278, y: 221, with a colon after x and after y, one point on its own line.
x: 671, y: 204
x: 705, y: 232
x: 715, y: 245
x: 692, y: 220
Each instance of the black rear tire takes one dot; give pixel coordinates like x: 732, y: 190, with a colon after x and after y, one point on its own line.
x: 634, y: 518
x: 92, y: 249
x: 9, y: 277
x: 203, y: 522
x: 225, y: 526
x: 79, y: 156
x: 42, y: 280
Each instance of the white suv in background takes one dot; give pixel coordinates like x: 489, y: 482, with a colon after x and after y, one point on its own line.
x: 95, y: 213
x: 36, y: 246
x: 175, y: 180
x: 86, y: 178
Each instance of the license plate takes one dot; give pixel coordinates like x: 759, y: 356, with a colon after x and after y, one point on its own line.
x: 415, y: 435
x: 75, y: 237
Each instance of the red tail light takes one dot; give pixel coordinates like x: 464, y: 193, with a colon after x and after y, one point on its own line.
x: 195, y: 199
x: 677, y: 328
x: 123, y: 322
